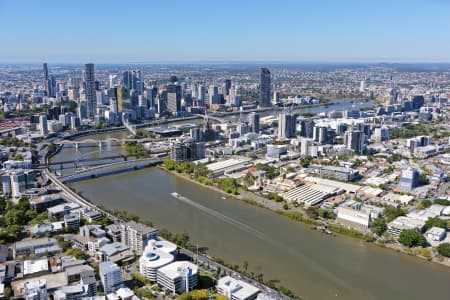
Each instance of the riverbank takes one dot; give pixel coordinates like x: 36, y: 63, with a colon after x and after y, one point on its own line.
x: 299, y: 215
x: 183, y: 241
x: 315, y: 266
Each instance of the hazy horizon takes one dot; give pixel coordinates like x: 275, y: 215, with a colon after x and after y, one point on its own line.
x: 176, y: 31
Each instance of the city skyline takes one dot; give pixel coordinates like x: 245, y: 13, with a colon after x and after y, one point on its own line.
x: 199, y: 31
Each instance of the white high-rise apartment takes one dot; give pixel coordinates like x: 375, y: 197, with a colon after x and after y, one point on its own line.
x: 110, y: 276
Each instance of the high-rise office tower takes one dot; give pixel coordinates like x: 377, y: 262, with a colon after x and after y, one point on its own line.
x: 227, y: 86
x: 253, y: 121
x: 140, y: 86
x: 287, y: 125
x: 213, y: 95
x: 123, y: 98
x: 194, y: 90
x: 187, y: 98
x: 151, y: 93
x: 196, y: 134
x: 126, y: 79
x: 82, y: 110
x: 133, y: 98
x: 264, y: 87
x: 45, y: 69
x: 307, y: 128
x: 137, y: 75
x: 16, y: 181
x: 43, y: 125
x: 51, y: 86
x: 381, y: 134
x: 202, y: 93
x: 173, y: 103
x: 320, y: 134
x: 49, y: 82
x: 355, y: 140
x: 75, y: 82
x: 174, y: 98
x: 91, y: 99
x: 235, y: 98
x: 305, y: 145
x: 75, y: 122
x: 162, y: 102
x: 130, y: 79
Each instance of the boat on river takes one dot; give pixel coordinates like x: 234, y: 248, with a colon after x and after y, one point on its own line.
x: 175, y: 195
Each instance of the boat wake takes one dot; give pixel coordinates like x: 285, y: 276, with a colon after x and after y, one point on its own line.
x: 222, y: 217
x: 264, y: 237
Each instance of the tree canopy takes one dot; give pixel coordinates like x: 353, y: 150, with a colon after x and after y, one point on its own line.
x: 412, y: 238
x: 392, y: 212
x: 435, y: 222
x: 444, y: 249
x: 442, y: 202
x: 425, y: 203
x: 378, y: 226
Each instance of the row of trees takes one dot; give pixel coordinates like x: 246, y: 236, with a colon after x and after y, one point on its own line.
x: 316, y: 213
x: 276, y: 197
x: 133, y: 148
x: 229, y: 185
x: 181, y: 239
x: 187, y: 167
x: 141, y: 134
x: 201, y: 173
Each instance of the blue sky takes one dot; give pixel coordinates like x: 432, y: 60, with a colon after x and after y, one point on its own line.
x: 233, y: 30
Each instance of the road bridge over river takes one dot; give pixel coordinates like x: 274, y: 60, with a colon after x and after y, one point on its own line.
x: 109, y: 169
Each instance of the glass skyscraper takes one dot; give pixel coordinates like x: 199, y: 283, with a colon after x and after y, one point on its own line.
x: 264, y: 87
x: 91, y: 98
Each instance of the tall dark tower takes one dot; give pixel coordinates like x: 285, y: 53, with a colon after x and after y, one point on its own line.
x: 91, y: 97
x: 227, y: 86
x: 264, y: 87
x: 45, y: 69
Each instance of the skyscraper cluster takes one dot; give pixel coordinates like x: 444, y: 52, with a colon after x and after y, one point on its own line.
x: 128, y: 94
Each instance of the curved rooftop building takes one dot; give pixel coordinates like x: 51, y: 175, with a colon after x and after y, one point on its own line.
x: 155, y: 256
x: 165, y: 246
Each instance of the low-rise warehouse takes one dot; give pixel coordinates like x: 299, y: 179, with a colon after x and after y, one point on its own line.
x: 229, y: 165
x: 404, y: 223
x: 310, y: 194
